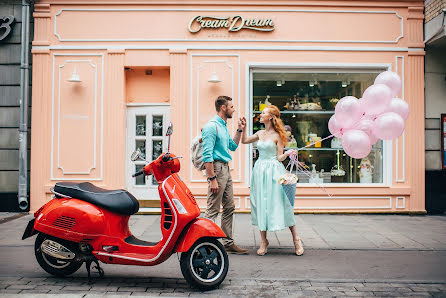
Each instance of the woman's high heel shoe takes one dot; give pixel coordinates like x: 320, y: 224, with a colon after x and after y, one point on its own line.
x: 262, y: 252
x: 299, y: 246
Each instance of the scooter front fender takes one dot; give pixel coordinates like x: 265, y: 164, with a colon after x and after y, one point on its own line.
x: 199, y: 228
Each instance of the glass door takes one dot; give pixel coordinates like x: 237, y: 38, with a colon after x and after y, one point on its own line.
x: 146, y: 129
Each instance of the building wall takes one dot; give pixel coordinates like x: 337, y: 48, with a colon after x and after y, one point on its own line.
x: 10, y: 48
x: 146, y: 38
x: 433, y: 8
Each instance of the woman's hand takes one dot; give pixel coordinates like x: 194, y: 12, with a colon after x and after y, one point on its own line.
x: 291, y: 152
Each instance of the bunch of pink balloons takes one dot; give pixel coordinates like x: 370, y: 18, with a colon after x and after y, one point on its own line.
x: 379, y: 114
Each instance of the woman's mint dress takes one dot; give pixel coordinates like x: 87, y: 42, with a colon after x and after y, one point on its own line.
x: 270, y: 208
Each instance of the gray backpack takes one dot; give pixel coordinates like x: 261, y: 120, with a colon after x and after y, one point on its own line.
x: 196, y: 149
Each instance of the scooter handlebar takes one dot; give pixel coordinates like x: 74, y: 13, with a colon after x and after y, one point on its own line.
x: 138, y: 173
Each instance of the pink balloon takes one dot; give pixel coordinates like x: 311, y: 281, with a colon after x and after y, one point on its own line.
x: 356, y: 143
x: 347, y: 111
x: 334, y: 127
x: 365, y: 125
x: 373, y: 139
x: 388, y: 126
x: 400, y: 107
x: 376, y: 99
x: 391, y: 80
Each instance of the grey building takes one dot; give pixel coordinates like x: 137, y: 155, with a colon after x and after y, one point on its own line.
x: 435, y: 96
x: 10, y: 95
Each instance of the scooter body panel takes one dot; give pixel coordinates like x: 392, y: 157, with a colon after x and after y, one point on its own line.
x: 109, y: 235
x: 199, y: 228
x: 72, y: 219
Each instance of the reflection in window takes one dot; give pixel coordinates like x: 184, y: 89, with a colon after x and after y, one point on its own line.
x: 157, y: 126
x: 141, y: 145
x: 157, y: 149
x: 141, y: 179
x: 141, y: 125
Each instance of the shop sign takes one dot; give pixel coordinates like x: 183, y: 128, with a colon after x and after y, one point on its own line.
x: 233, y: 24
x: 5, y: 26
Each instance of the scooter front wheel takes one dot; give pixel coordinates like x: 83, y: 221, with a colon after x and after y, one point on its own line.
x: 56, y: 256
x: 205, y: 264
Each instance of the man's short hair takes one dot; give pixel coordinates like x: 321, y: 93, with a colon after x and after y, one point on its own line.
x: 222, y: 100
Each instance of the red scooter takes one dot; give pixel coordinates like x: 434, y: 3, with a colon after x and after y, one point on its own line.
x: 85, y: 223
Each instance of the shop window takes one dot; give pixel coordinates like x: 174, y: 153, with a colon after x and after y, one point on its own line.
x: 307, y: 101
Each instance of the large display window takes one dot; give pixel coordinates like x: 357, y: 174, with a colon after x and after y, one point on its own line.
x: 307, y: 100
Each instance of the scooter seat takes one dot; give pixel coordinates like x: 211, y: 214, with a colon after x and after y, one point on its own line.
x: 118, y: 201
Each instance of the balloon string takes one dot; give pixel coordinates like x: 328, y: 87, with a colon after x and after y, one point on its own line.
x: 300, y: 168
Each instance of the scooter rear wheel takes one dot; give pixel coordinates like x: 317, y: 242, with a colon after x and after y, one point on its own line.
x: 205, y: 264
x: 56, y: 266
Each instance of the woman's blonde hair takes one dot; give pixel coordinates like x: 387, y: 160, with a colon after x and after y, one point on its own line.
x: 277, y: 123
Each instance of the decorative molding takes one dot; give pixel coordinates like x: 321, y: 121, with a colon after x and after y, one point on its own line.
x: 237, y: 206
x: 52, y: 119
x: 238, y: 11
x: 147, y: 104
x: 397, y: 206
x: 403, y: 138
x: 95, y: 117
x: 385, y: 206
x: 198, y: 100
x: 414, y: 50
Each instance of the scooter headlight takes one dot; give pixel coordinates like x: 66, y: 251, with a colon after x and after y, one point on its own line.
x: 179, y: 206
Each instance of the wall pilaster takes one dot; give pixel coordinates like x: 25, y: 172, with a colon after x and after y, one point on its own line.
x: 114, y: 120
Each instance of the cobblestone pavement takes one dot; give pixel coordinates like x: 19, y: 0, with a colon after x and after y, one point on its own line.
x: 79, y: 287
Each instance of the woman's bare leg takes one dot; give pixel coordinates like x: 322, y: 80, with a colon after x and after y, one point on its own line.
x: 264, y: 245
x: 298, y: 246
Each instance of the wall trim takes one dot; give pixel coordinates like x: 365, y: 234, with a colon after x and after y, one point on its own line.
x: 403, y: 140
x: 296, y: 207
x: 192, y: 135
x: 235, y: 10
x: 100, y: 178
x: 95, y: 117
x: 229, y: 47
x: 397, y: 200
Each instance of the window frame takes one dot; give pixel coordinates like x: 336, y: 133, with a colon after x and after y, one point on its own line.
x: 255, y: 67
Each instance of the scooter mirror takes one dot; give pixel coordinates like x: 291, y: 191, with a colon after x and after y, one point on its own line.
x: 136, y: 155
x: 169, y: 129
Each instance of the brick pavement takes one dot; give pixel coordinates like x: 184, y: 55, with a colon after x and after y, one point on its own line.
x: 79, y: 287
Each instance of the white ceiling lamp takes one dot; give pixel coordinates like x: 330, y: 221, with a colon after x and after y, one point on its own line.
x: 344, y: 84
x: 312, y: 83
x: 74, y: 76
x: 214, y: 78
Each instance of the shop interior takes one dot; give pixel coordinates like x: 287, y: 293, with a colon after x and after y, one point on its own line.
x: 307, y: 100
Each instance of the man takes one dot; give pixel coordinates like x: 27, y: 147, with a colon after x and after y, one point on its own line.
x: 216, y: 145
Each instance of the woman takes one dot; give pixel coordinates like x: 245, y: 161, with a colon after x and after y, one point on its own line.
x: 270, y: 208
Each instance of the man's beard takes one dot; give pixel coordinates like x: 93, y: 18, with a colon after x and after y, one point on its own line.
x: 229, y: 116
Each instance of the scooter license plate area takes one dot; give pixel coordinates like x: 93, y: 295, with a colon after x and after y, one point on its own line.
x: 29, y: 231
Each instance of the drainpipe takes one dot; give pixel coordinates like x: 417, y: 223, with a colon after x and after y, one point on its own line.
x: 24, y: 96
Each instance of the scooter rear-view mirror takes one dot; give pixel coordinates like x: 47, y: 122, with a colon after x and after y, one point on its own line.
x: 136, y: 155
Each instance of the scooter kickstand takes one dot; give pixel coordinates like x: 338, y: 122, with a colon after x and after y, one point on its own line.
x: 88, y: 265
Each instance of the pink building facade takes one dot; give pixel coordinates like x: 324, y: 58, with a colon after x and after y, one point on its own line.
x: 108, y: 77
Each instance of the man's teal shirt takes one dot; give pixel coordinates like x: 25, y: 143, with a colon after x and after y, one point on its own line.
x: 216, y: 141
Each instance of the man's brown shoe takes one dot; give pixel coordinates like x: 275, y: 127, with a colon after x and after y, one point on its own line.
x: 234, y: 249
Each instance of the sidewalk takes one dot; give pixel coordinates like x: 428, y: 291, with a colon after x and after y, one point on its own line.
x: 325, y: 231
x: 318, y: 231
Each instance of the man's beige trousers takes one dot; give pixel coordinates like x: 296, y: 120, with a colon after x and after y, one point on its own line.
x: 224, y: 197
